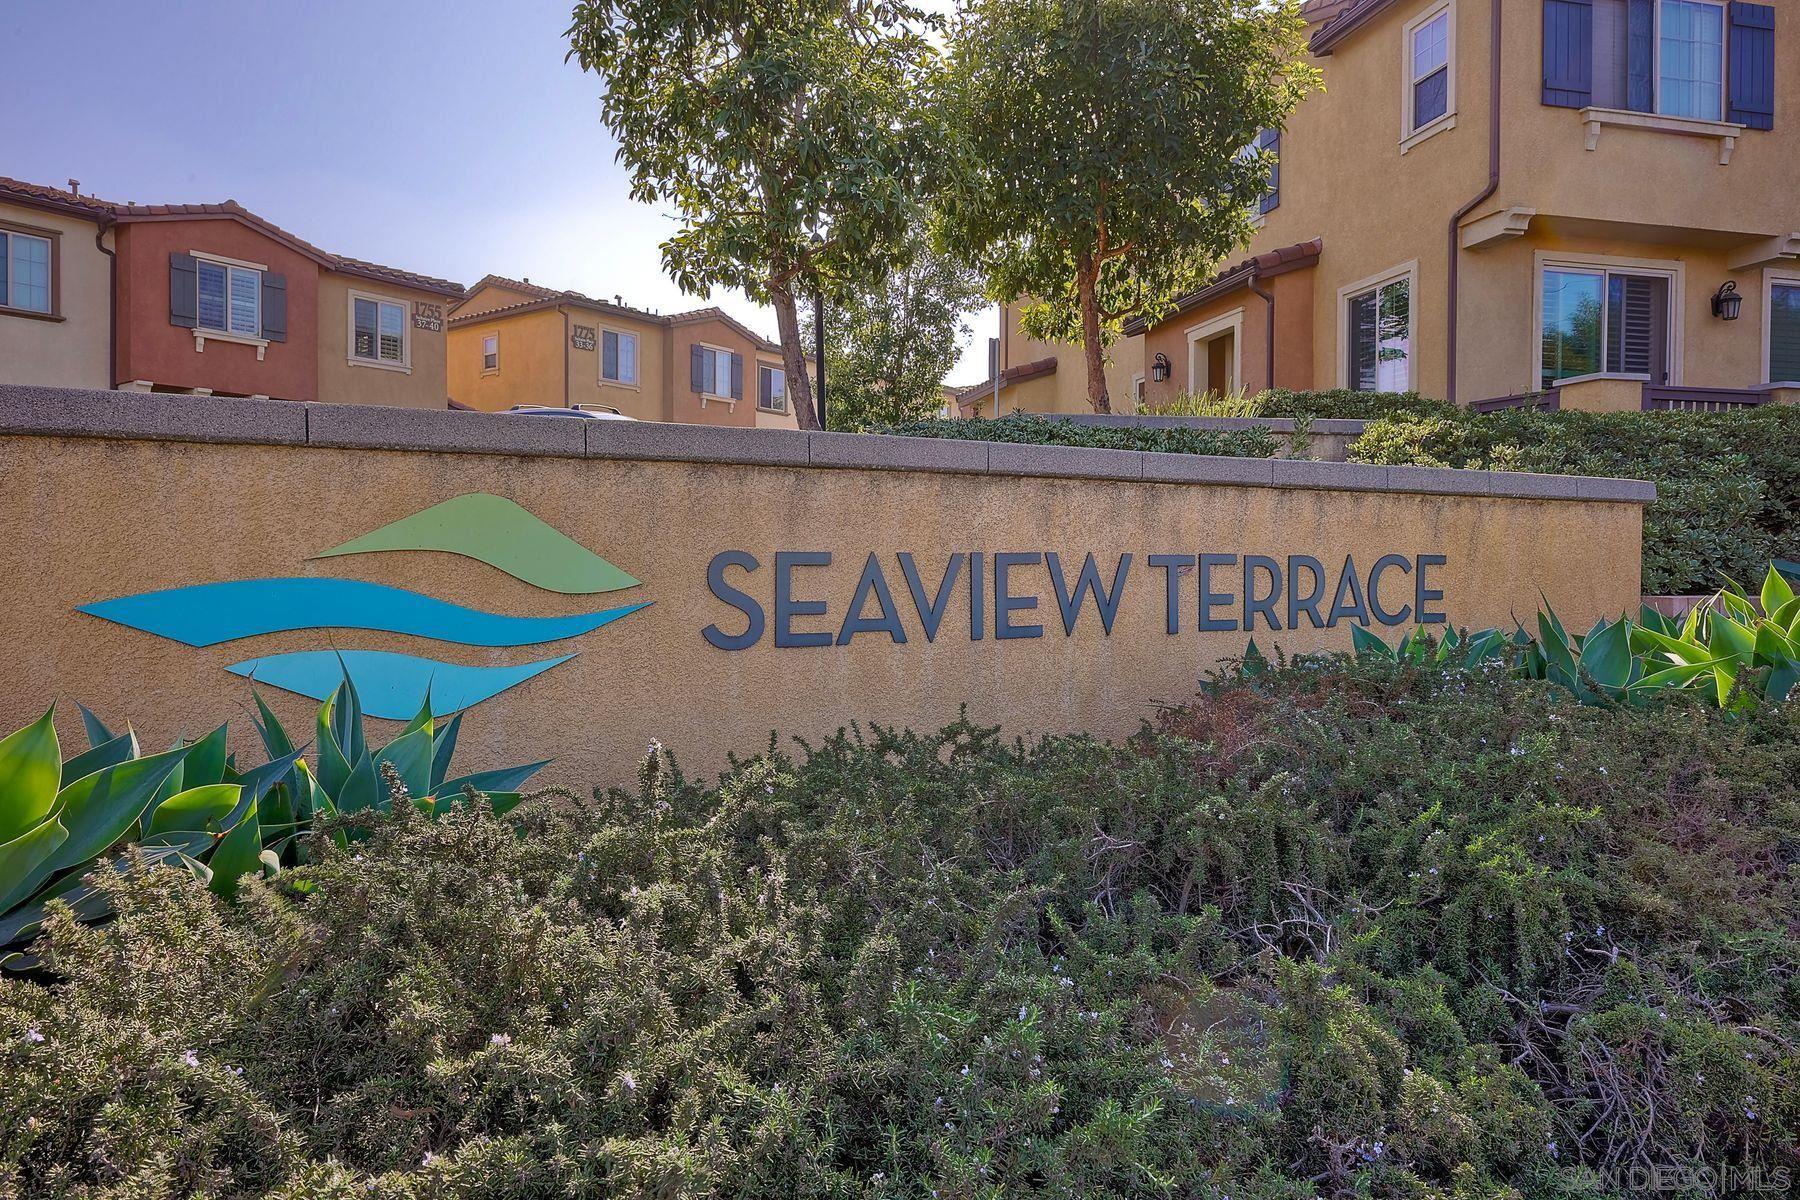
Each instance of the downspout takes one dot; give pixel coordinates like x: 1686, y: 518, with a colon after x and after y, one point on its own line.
x: 1268, y: 299
x: 563, y: 309
x: 112, y: 304
x: 1493, y: 185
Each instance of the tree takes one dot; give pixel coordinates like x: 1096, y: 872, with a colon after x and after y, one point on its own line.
x: 888, y: 348
x: 787, y: 136
x: 1102, y: 147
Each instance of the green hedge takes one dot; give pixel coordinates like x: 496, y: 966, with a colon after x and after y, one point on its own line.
x: 1728, y: 484
x: 1343, y: 404
x: 1333, y: 930
x: 1035, y: 430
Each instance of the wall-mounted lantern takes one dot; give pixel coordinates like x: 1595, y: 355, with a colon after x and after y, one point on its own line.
x: 1726, y: 301
x: 1159, y: 368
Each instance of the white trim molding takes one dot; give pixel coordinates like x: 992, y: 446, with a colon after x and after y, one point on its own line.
x: 1231, y: 322
x: 1770, y: 277
x: 635, y: 383
x: 1725, y: 132
x: 1672, y: 269
x: 203, y: 336
x: 404, y: 366
x: 1782, y: 248
x: 1411, y: 135
x: 1497, y: 227
x: 1408, y: 271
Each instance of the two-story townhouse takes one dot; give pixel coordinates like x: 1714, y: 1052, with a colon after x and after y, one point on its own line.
x: 211, y: 299
x: 515, y: 342
x: 56, y: 267
x: 1586, y: 202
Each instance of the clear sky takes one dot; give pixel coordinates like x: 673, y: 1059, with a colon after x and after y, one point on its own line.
x: 442, y: 136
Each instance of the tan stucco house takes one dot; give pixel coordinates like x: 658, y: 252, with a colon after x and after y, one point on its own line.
x: 1592, y: 203
x: 516, y: 342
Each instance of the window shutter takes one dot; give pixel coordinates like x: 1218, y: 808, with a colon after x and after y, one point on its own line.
x: 609, y: 355
x: 737, y: 377
x: 1752, y: 72
x: 184, y: 291
x: 274, y: 306
x: 1640, y: 55
x: 1270, y: 140
x: 1568, y: 53
x: 765, y: 394
x: 697, y: 368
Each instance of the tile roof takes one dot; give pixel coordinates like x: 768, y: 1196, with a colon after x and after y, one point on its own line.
x: 1019, y: 374
x: 58, y: 199
x: 1261, y: 266
x: 543, y: 297
x: 1345, y: 18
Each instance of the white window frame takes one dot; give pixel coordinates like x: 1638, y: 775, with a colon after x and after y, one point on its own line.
x: 1137, y: 391
x: 1656, y: 40
x: 1197, y: 372
x: 1411, y: 134
x: 50, y: 264
x: 230, y: 265
x: 1671, y: 269
x: 721, y: 378
x: 405, y: 306
x: 1408, y: 271
x: 780, y: 370
x: 637, y: 347
x: 495, y: 339
x: 1770, y: 278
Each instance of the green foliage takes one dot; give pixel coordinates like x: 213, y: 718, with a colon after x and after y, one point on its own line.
x: 1728, y: 484
x: 1206, y: 404
x: 1347, y: 405
x: 1101, y: 143
x: 1048, y: 431
x: 192, y: 806
x: 1478, y: 939
x: 888, y: 347
x: 1731, y: 649
x: 790, y: 139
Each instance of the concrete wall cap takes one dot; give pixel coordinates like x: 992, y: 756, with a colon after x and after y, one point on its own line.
x: 75, y: 412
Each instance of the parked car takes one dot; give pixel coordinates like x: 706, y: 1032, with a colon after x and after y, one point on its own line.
x: 592, y: 414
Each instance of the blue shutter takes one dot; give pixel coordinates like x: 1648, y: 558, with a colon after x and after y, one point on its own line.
x: 184, y: 290
x: 274, y: 307
x: 1568, y: 53
x: 1752, y: 72
x: 697, y: 363
x: 1640, y: 55
x: 1270, y: 140
x: 737, y: 377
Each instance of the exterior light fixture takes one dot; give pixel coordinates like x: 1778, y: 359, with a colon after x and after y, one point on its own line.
x: 1726, y: 301
x: 1159, y: 368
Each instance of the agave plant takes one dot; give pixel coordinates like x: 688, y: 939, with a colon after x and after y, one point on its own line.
x: 1733, y: 649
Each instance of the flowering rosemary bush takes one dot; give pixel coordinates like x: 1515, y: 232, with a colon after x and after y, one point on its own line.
x: 1334, y: 929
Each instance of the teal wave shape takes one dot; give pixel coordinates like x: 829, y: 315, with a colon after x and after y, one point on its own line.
x: 209, y: 613
x: 502, y: 534
x: 390, y: 686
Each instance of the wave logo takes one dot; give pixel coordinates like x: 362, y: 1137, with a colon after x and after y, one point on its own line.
x: 487, y: 528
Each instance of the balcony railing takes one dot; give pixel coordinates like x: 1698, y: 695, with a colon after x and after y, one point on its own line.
x: 1545, y: 401
x: 1661, y: 398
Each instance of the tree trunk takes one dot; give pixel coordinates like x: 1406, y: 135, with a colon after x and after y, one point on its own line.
x: 1087, y: 289
x: 793, y: 357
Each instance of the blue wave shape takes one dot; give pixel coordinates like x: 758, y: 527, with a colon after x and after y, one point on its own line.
x: 390, y: 686
x: 209, y: 613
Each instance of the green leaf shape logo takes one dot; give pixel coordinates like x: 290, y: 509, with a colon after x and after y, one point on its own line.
x: 502, y: 534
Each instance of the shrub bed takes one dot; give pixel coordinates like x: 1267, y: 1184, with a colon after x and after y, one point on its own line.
x: 1728, y: 484
x: 1333, y: 929
x: 1049, y: 431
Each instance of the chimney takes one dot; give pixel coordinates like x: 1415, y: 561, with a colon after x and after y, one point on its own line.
x: 619, y: 300
x: 75, y: 186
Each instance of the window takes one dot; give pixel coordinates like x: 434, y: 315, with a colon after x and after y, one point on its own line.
x: 1266, y: 140
x: 715, y: 371
x: 378, y: 330
x: 1660, y: 56
x: 1599, y: 321
x: 618, y: 357
x: 230, y: 298
x: 24, y: 271
x: 1783, y: 332
x: 1430, y: 59
x: 1378, y: 331
x: 490, y: 352
x: 771, y: 389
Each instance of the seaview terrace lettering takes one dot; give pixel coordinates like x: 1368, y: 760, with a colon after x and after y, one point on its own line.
x: 1202, y: 593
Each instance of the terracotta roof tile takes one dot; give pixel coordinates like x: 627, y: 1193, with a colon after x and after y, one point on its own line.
x: 1261, y: 266
x: 40, y: 196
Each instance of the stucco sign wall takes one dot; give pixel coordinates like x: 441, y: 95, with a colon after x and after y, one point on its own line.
x: 582, y: 588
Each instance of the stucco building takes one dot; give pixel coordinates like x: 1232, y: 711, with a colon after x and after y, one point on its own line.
x: 209, y: 299
x: 516, y: 342
x: 1499, y: 199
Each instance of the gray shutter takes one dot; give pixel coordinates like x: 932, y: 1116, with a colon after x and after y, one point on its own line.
x: 1568, y: 53
x: 737, y: 377
x: 1640, y: 55
x: 765, y: 392
x: 1752, y: 72
x: 184, y: 291
x: 609, y: 354
x: 697, y: 363
x: 1270, y: 140
x: 274, y: 307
